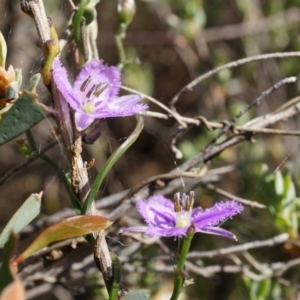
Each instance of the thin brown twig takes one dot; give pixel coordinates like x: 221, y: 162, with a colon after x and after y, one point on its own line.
x: 219, y: 191
x: 258, y: 122
x: 271, y: 242
x: 233, y: 64
x: 115, y: 199
x: 72, y: 5
x: 256, y: 264
x: 218, y: 125
x: 211, y: 271
x: 287, y: 283
x: 212, y: 150
x: 28, y: 161
x: 175, y: 115
x: 165, y: 178
x: 145, y: 190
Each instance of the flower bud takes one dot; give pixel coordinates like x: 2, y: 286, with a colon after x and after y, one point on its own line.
x: 24, y: 147
x: 89, y: 14
x: 126, y: 11
x: 6, y: 78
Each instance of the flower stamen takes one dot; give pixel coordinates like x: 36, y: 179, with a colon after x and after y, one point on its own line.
x: 90, y: 92
x: 100, y: 88
x: 85, y: 84
x: 177, y: 206
x: 183, y: 209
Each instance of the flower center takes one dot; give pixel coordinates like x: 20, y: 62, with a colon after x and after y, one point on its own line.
x: 183, y: 219
x: 89, y: 107
x: 90, y: 98
x: 183, y: 209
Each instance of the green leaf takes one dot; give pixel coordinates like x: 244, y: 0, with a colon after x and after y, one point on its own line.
x: 3, y: 50
x: 288, y: 205
x: 68, y: 228
x: 6, y: 274
x: 269, y: 193
x: 22, y: 115
x: 110, y: 163
x: 279, y: 183
x: 138, y: 295
x: 264, y: 289
x: 22, y: 217
x: 294, y: 226
x: 281, y: 223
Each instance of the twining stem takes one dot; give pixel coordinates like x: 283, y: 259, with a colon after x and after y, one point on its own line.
x: 78, y: 25
x: 110, y: 163
x: 179, y: 278
x: 57, y: 168
x: 121, y: 33
x: 30, y: 140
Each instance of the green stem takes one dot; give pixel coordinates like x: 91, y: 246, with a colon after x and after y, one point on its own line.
x: 62, y: 174
x: 30, y: 140
x: 179, y: 279
x: 5, y: 268
x: 77, y: 25
x: 65, y: 180
x: 113, y: 294
x: 120, y: 46
x: 110, y: 163
x: 180, y: 244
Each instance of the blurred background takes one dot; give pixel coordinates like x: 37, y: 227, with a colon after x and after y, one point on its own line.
x: 176, y: 41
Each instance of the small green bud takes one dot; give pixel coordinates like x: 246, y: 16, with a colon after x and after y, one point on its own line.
x: 12, y: 91
x: 6, y: 78
x: 24, y: 147
x: 126, y: 11
x: 3, y: 50
x: 33, y: 82
x: 19, y: 77
x: 89, y: 14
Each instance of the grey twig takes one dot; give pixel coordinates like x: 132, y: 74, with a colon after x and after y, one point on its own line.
x: 212, y: 150
x: 233, y: 64
x: 257, y: 101
x: 211, y: 271
x: 35, y: 8
x: 219, y: 191
x: 175, y: 115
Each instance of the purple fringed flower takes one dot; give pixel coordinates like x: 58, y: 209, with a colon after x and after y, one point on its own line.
x: 166, y: 218
x: 94, y: 94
